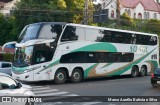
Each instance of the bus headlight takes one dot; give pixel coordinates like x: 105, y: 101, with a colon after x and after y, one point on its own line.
x: 27, y: 70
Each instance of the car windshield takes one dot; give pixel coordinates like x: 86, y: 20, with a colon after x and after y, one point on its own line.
x: 28, y: 33
x: 23, y: 56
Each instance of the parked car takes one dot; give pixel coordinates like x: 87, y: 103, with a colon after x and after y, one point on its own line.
x: 5, y: 67
x: 11, y: 87
x: 155, y: 78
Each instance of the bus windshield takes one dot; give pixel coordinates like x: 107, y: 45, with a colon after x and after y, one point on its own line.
x: 29, y: 32
x: 41, y: 31
x: 23, y: 56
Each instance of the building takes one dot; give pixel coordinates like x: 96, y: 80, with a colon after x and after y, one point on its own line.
x: 6, y: 6
x: 7, y: 50
x: 140, y: 9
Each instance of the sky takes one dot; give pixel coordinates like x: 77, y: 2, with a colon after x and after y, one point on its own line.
x: 97, y: 1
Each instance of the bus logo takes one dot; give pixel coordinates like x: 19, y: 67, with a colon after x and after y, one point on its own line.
x: 141, y: 49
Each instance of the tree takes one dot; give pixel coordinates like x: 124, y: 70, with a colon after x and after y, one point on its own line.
x: 126, y: 20
x: 97, y: 6
x: 31, y: 11
x: 8, y: 32
x: 153, y: 25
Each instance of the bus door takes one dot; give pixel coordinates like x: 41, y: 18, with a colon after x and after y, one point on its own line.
x: 42, y: 58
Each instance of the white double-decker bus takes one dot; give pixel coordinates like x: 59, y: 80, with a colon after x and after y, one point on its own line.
x: 61, y: 51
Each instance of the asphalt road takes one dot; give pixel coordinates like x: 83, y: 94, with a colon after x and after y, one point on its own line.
x: 107, y: 87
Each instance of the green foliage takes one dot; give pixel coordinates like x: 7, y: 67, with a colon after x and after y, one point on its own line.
x: 6, y: 57
x: 153, y: 25
x: 8, y: 32
x: 31, y: 11
x: 126, y: 20
x: 125, y: 16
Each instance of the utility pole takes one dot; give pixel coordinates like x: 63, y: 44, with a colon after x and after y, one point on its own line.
x: 118, y: 9
x: 86, y: 12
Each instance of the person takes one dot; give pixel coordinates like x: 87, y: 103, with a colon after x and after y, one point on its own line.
x: 40, y: 58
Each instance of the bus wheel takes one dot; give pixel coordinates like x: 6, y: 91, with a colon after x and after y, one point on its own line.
x: 76, y: 76
x: 143, y: 71
x: 60, y: 76
x: 134, y: 72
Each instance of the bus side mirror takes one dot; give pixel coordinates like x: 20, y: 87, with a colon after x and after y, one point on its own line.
x: 9, y: 43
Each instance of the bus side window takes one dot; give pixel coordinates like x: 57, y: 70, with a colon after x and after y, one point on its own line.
x: 153, y: 40
x: 133, y: 40
x: 91, y: 57
x: 93, y: 34
x: 40, y: 56
x: 73, y: 33
x: 49, y: 32
x: 43, y: 53
x: 69, y: 34
x: 106, y: 36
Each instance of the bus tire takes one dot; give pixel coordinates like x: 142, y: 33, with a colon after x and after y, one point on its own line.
x: 134, y: 72
x: 143, y: 71
x: 60, y: 76
x: 76, y: 76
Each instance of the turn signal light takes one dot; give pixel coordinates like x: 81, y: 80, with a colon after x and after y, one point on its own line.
x: 152, y: 75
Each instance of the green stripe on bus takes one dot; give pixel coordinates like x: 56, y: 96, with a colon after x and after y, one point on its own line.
x: 105, y: 47
x: 120, y: 70
x: 86, y: 72
x: 128, y: 66
x: 19, y: 69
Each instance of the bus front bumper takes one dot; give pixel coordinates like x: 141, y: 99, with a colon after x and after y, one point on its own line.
x: 23, y: 76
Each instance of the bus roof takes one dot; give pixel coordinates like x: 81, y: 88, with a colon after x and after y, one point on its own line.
x: 62, y: 23
x: 120, y: 30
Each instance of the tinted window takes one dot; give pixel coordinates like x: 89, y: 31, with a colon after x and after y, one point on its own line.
x: 96, y: 57
x: 109, y: 57
x: 72, y: 33
x: 40, y: 56
x: 76, y: 57
x: 6, y: 65
x: 146, y: 39
x: 116, y: 37
x: 107, y: 36
x: 93, y: 34
x: 43, y: 53
x: 153, y: 40
x: 7, y: 83
x: 50, y: 31
x: 29, y: 33
x: 121, y: 37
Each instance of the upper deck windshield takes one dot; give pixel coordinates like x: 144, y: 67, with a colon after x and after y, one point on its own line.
x: 41, y: 31
x: 23, y: 56
x: 29, y: 32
